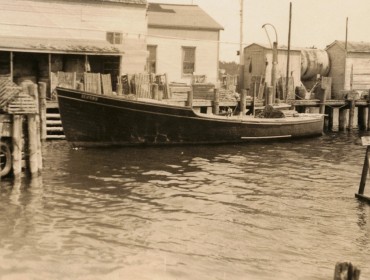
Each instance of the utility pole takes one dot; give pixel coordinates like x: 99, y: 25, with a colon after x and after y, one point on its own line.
x: 241, y: 51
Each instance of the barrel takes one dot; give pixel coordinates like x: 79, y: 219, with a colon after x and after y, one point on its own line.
x: 314, y: 62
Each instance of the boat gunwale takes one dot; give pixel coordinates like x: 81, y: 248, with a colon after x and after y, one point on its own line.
x: 199, y: 116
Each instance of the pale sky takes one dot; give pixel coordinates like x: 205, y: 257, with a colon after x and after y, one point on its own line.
x: 314, y: 22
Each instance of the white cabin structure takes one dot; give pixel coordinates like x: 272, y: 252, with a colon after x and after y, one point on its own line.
x: 182, y: 40
x: 350, y: 66
x: 38, y: 37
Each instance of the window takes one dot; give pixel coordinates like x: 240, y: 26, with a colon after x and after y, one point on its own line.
x: 114, y: 38
x: 188, y: 60
x: 151, y: 63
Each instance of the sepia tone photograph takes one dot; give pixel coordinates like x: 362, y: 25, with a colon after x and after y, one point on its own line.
x: 184, y: 139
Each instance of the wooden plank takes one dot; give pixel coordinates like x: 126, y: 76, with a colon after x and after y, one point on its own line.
x: 106, y: 84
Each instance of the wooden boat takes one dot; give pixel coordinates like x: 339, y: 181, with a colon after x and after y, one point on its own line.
x: 90, y: 119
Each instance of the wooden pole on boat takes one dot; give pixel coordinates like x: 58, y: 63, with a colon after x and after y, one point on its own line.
x: 119, y: 89
x: 42, y: 110
x: 288, y: 54
x: 243, y: 104
x: 346, y: 271
x: 189, y: 102
x: 216, y: 102
x: 352, y: 106
x: 368, y: 111
x: 254, y: 101
x: 17, y: 145
x: 155, y: 91
x: 270, y: 94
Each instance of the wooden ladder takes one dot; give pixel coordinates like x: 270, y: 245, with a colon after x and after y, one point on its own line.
x: 54, y: 129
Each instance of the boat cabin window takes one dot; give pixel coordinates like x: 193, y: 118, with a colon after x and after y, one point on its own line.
x: 188, y: 60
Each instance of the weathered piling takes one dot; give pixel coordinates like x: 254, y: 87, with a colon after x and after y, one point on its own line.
x: 329, y: 111
x: 352, y: 107
x: 322, y: 98
x: 365, y: 170
x: 17, y: 145
x: 342, y: 118
x: 243, y: 105
x: 216, y: 102
x: 33, y: 128
x: 42, y: 109
x: 346, y: 271
x: 361, y: 118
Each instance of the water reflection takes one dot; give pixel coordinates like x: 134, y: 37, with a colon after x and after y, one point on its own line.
x: 201, y: 212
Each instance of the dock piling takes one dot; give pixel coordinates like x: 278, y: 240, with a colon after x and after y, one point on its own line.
x: 243, y: 105
x: 17, y: 145
x: 365, y: 170
x: 346, y: 271
x: 352, y: 107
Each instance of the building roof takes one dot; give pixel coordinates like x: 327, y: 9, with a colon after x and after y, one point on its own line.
x: 180, y: 17
x: 46, y: 45
x: 136, y: 2
x: 268, y: 47
x: 359, y: 47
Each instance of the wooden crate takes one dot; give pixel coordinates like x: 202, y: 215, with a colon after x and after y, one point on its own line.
x: 22, y: 104
x: 203, y: 91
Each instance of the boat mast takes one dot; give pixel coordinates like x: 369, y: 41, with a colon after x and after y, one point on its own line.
x: 241, y: 52
x: 288, y: 55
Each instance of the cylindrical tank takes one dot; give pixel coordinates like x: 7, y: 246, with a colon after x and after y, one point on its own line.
x: 314, y: 62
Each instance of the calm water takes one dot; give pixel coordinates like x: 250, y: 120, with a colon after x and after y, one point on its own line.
x: 264, y: 211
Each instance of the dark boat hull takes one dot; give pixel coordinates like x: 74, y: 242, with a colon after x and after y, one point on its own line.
x: 97, y: 120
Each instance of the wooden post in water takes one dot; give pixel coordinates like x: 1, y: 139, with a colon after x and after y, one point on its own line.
x: 42, y: 110
x: 17, y: 145
x: 365, y: 170
x: 216, y: 102
x: 33, y: 146
x: 189, y: 102
x: 243, y: 104
x: 322, y: 98
x: 346, y: 271
x: 361, y: 118
x: 342, y: 118
x: 352, y: 106
x: 329, y: 120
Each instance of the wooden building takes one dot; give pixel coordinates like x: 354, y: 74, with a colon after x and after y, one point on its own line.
x: 258, y: 62
x: 304, y: 65
x: 182, y: 40
x: 350, y: 67
x: 39, y: 37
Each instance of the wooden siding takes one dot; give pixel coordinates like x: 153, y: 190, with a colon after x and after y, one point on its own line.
x: 337, y: 72
x: 169, y: 44
x: 74, y: 20
x: 358, y: 66
x: 261, y: 59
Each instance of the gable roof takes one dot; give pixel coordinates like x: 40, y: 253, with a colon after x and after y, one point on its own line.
x: 358, y: 47
x: 268, y: 47
x: 180, y: 17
